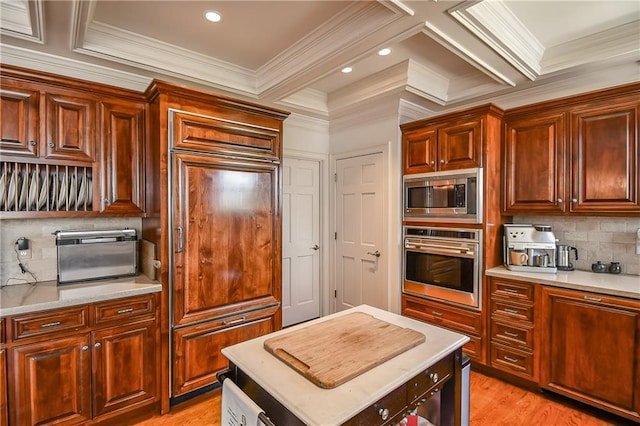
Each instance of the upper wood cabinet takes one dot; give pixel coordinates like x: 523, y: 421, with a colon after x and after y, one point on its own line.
x: 453, y: 144
x: 69, y: 148
x: 122, y: 158
x: 574, y: 156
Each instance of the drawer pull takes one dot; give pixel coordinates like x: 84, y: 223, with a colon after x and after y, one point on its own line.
x: 236, y: 321
x: 510, y: 334
x: 511, y: 360
x: 511, y: 290
x: 50, y: 324
x: 511, y: 311
x: 125, y: 311
x: 592, y: 299
x: 437, y: 313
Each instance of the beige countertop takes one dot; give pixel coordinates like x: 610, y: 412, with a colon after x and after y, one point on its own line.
x: 25, y: 298
x: 317, y: 406
x: 610, y: 284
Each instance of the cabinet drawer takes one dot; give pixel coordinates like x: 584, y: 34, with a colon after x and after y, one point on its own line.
x: 512, y: 360
x: 511, y: 334
x: 514, y: 290
x: 210, y: 134
x: 511, y: 310
x: 50, y: 322
x: 464, y: 321
x: 120, y: 309
x: 432, y: 377
x: 474, y: 349
x: 395, y: 402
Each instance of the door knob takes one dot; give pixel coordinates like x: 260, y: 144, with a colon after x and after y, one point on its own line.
x: 315, y: 247
x: 375, y: 253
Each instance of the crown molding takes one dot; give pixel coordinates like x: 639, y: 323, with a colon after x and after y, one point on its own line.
x: 451, y: 44
x: 309, y: 100
x: 426, y: 82
x: 23, y: 20
x: 40, y: 61
x: 322, y: 48
x: 398, y: 6
x: 409, y: 111
x: 125, y: 47
x: 372, y: 110
x: 304, y: 122
x: 611, y: 43
x: 496, y: 25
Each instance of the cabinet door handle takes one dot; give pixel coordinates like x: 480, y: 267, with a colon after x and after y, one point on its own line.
x: 510, y: 334
x: 235, y: 321
x: 593, y: 299
x: 51, y: 144
x: 124, y: 311
x: 33, y: 143
x: 511, y: 360
x: 180, y: 239
x: 85, y: 348
x: 97, y: 345
x: 50, y: 324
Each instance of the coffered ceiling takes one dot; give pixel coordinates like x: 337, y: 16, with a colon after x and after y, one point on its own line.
x: 444, y: 54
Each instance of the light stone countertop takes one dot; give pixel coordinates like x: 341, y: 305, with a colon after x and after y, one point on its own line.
x: 605, y: 283
x: 316, y: 406
x: 25, y: 298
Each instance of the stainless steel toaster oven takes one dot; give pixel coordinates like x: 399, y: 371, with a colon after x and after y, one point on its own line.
x: 93, y: 255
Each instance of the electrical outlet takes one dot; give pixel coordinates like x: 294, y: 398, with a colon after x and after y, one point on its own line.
x: 24, y: 254
x: 24, y: 248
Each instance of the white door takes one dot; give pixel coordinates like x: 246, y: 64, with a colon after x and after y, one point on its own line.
x: 361, y: 264
x: 300, y: 240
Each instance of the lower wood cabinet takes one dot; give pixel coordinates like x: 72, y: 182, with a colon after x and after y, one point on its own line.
x: 461, y: 320
x: 73, y: 371
x: 591, y: 349
x: 4, y: 410
x: 197, y: 357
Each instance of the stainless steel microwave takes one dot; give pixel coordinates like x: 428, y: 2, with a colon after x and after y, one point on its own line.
x: 451, y: 196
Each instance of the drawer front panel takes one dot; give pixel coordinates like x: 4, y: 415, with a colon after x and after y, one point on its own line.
x: 512, y: 361
x: 510, y: 310
x: 45, y: 323
x: 382, y: 411
x: 523, y: 292
x: 118, y: 310
x: 429, y: 379
x: 510, y: 334
x: 439, y: 314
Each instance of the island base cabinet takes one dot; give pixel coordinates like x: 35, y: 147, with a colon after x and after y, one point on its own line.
x: 197, y: 357
x: 4, y: 410
x: 592, y: 345
x: 124, y: 361
x: 51, y: 382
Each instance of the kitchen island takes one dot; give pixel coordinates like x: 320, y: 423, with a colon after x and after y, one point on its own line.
x: 382, y: 395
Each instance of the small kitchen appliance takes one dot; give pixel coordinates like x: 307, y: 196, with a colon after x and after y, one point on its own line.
x: 564, y: 257
x: 529, y: 248
x: 94, y: 255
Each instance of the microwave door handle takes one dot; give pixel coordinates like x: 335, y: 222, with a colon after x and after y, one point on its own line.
x: 438, y: 246
x: 458, y: 253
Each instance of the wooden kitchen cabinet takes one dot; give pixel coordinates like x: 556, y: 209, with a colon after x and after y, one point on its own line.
x: 122, y: 158
x: 76, y: 147
x: 512, y: 328
x: 450, y: 145
x: 573, y: 156
x: 461, y: 320
x: 591, y: 349
x: 4, y: 407
x: 86, y: 363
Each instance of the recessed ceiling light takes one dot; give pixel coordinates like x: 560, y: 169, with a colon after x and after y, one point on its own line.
x: 384, y: 52
x: 347, y: 70
x: 213, y: 16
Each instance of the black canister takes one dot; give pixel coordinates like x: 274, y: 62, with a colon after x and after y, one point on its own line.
x: 598, y: 267
x: 615, y: 268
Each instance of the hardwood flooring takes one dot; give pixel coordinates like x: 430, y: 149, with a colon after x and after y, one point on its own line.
x: 493, y: 403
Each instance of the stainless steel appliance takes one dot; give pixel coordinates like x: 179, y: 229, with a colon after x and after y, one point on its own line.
x: 529, y: 248
x: 452, y: 196
x: 564, y: 257
x: 93, y: 255
x: 443, y: 264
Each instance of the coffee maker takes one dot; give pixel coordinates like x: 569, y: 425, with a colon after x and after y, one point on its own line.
x: 529, y: 248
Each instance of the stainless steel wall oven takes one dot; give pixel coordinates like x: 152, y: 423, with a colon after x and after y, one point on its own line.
x: 443, y: 264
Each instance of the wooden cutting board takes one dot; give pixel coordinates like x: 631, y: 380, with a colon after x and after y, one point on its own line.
x: 335, y: 351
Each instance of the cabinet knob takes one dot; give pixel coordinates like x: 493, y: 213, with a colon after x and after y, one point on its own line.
x: 434, y: 377
x: 559, y: 200
x: 384, y: 413
x: 85, y: 348
x: 97, y: 345
x: 51, y: 144
x: 433, y: 162
x: 441, y: 161
x: 574, y: 200
x: 33, y: 143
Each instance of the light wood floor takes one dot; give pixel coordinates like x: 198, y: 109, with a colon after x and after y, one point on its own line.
x: 493, y: 402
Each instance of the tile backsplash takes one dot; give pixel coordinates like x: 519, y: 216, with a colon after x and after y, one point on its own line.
x: 597, y: 238
x: 43, y: 245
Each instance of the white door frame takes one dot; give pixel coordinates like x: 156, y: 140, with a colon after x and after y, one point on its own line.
x: 383, y: 149
x: 325, y: 250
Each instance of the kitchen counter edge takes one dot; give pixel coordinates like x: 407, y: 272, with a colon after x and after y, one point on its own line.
x: 28, y: 298
x: 609, y: 284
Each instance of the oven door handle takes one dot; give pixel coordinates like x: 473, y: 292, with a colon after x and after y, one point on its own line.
x: 442, y: 250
